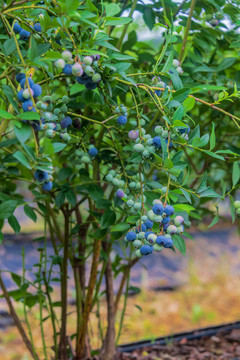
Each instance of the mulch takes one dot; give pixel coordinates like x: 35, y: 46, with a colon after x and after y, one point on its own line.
x: 222, y: 346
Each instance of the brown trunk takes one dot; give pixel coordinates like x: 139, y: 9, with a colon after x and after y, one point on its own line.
x: 108, y: 348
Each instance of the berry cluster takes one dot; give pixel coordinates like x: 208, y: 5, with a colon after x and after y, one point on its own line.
x: 145, y: 240
x: 29, y: 91
x: 87, y: 157
x: 24, y: 34
x: 123, y: 114
x: 44, y: 179
x: 85, y: 70
x: 237, y: 207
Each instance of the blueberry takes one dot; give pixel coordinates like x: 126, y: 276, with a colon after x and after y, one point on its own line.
x: 37, y: 27
x: 67, y: 55
x: 166, y: 220
x: 137, y: 243
x: 131, y: 236
x: 41, y: 175
x: 158, y: 92
x: 60, y: 64
x: 141, y: 228
x: 20, y: 76
x: 67, y: 121
x: 96, y: 78
x: 168, y: 243
x: 17, y: 28
x: 169, y: 210
x: 87, y: 60
x: 67, y: 70
x: 165, y: 226
x: 93, y: 151
x: 90, y: 85
x: 151, y: 238
x: 161, y: 240
x: 83, y: 79
x: 120, y: 194
x: 37, y: 90
x: 172, y: 229
x: 24, y: 35
x: 122, y: 120
x: 179, y: 220
x: 184, y: 130
x: 170, y: 145
x: 130, y: 202
x: 109, y: 177
x: 146, y: 249
x: 47, y: 186
x: 237, y: 204
x: 157, y: 142
x: 77, y: 69
x: 27, y: 105
x: 23, y: 83
x: 20, y: 96
x: 176, y: 63
x: 89, y: 70
x: 148, y: 233
x: 158, y: 209
x: 149, y: 224
x: 157, y: 247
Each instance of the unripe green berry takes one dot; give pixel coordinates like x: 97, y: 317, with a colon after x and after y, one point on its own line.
x: 65, y: 99
x: 89, y: 70
x: 96, y: 78
x: 66, y: 55
x: 237, y: 204
x: 60, y: 64
x: 115, y: 182
x: 137, y: 243
x: 85, y: 159
x: 157, y: 247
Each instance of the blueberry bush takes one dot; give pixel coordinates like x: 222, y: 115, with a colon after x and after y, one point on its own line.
x: 119, y: 127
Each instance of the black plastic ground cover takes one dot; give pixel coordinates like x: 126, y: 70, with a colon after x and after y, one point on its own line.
x: 189, y: 335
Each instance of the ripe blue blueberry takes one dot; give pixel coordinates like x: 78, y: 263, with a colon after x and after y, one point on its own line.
x: 37, y: 90
x: 149, y: 224
x: 47, y: 186
x: 166, y: 220
x: 90, y: 85
x: 20, y: 76
x: 23, y: 83
x: 141, y: 228
x: 67, y: 70
x: 161, y: 240
x: 169, y: 210
x: 122, y: 120
x: 158, y: 92
x: 37, y: 27
x: 146, y: 249
x: 27, y: 105
x: 24, y: 35
x: 131, y: 236
x: 157, y: 142
x: 170, y: 145
x: 17, y: 28
x: 20, y: 96
x: 185, y: 130
x: 93, y: 151
x: 165, y: 226
x: 67, y: 121
x: 40, y: 175
x: 168, y: 243
x: 158, y: 209
x: 120, y: 194
x: 83, y: 79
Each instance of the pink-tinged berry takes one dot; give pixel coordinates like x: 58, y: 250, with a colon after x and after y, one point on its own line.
x: 133, y: 134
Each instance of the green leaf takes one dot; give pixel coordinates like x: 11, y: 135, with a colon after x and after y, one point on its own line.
x: 177, y: 82
x: 212, y: 137
x: 23, y: 133
x: 232, y: 207
x: 149, y: 17
x: 226, y: 63
x: 10, y: 46
x: 30, y: 212
x: 187, y: 195
x: 6, y: 115
x: 118, y: 21
x: 29, y: 115
x: 209, y: 192
x: 71, y: 197
x: 168, y: 164
x: 184, y: 207
x: 22, y: 159
x: 58, y: 146
x: 7, y: 208
x: 108, y: 219
x: 168, y: 64
x: 235, y: 173
x: 16, y: 278
x: 112, y: 9
x: 120, y: 227
x: 13, y: 222
x: 179, y: 243
x: 32, y: 51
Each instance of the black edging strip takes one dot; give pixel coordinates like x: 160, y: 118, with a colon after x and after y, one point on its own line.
x: 190, y: 335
